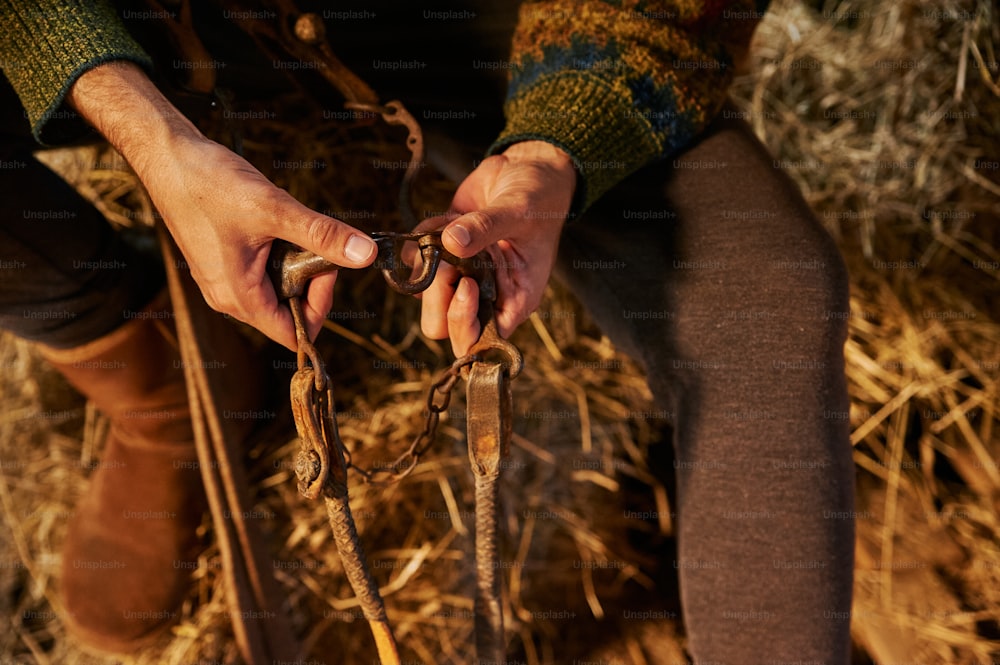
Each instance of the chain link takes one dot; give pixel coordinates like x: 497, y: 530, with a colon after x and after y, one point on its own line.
x: 438, y: 399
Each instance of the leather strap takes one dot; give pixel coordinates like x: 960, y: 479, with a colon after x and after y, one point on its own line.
x: 488, y: 429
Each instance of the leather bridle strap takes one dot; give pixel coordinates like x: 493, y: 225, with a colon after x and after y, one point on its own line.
x: 488, y: 429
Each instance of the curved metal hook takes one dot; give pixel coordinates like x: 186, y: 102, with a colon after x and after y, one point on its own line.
x: 397, y: 272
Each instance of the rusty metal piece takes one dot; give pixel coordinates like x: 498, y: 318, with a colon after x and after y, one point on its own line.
x: 306, y: 349
x: 290, y: 269
x: 316, y: 425
x: 489, y: 406
x: 320, y: 55
x: 491, y: 344
x: 397, y: 273
x: 396, y: 114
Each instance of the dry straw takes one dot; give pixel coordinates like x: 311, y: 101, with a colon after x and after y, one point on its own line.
x: 887, y: 114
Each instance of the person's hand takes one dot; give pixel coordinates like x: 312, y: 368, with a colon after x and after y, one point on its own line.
x: 514, y: 206
x: 223, y: 213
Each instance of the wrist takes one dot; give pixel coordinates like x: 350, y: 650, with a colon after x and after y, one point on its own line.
x: 548, y: 156
x: 540, y: 151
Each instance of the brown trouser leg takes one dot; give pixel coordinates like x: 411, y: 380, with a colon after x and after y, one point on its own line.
x: 719, y: 279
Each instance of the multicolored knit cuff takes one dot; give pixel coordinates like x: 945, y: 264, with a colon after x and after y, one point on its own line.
x: 589, y: 118
x: 46, y: 46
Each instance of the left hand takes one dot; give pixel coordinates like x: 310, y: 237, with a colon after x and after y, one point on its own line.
x: 514, y: 206
x: 223, y: 213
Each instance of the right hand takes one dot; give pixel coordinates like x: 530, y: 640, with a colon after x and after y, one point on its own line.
x: 513, y: 205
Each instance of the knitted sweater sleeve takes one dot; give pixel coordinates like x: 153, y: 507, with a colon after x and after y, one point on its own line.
x: 618, y: 85
x: 46, y: 45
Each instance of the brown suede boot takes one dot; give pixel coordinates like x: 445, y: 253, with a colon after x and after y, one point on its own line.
x: 131, y: 544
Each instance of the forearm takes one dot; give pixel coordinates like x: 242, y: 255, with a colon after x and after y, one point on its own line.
x: 121, y: 103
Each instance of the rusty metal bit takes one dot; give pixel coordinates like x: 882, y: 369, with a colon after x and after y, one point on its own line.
x: 308, y: 468
x: 442, y: 387
x: 397, y: 273
x: 305, y: 347
x: 316, y: 424
x: 310, y: 426
x: 310, y: 49
x: 290, y: 269
x: 374, y: 108
x: 396, y: 114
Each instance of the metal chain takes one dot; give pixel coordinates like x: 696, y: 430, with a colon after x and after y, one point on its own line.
x: 438, y: 399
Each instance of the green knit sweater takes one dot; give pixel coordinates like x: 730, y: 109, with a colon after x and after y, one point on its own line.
x: 615, y: 84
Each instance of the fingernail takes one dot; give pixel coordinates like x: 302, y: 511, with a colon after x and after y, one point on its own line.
x: 359, y: 248
x: 460, y: 235
x: 462, y: 293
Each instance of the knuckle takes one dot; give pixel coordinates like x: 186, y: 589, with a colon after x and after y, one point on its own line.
x: 271, y: 203
x: 482, y: 222
x: 324, y: 232
x: 225, y: 305
x: 226, y: 300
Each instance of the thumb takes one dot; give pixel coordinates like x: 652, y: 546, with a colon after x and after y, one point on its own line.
x: 330, y: 238
x: 474, y: 231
